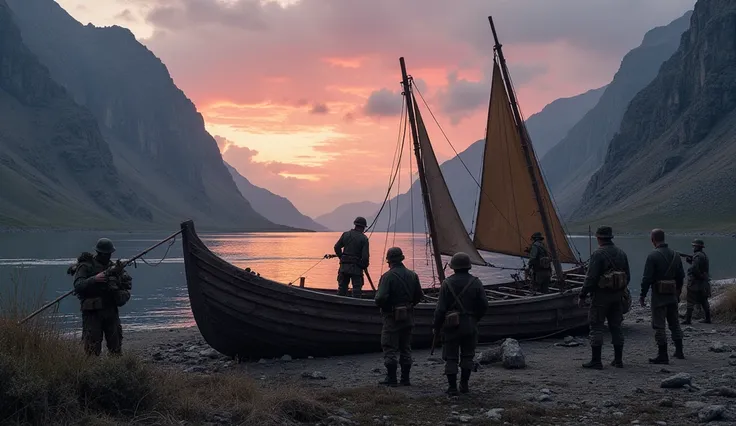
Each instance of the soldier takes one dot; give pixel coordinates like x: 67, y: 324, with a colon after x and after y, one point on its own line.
x: 462, y: 303
x: 607, y: 279
x: 352, y: 249
x: 539, y: 263
x: 398, y: 292
x: 101, y: 296
x: 698, y: 284
x: 663, y: 272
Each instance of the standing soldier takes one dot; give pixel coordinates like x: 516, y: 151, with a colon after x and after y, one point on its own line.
x: 663, y: 272
x: 101, y: 295
x: 352, y: 249
x: 607, y: 279
x: 698, y: 283
x: 398, y: 292
x: 462, y: 303
x: 539, y: 263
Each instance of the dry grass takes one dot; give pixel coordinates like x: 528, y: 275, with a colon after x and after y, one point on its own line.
x: 724, y: 309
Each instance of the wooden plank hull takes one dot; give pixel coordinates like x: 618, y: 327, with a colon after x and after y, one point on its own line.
x: 241, y: 314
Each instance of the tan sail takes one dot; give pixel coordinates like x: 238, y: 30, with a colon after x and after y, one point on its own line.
x: 508, y: 212
x: 452, y: 237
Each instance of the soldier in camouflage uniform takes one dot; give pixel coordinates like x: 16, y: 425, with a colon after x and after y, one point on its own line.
x: 352, y: 250
x: 698, y: 283
x: 663, y: 272
x: 607, y: 278
x: 398, y: 292
x: 540, y: 264
x: 462, y: 303
x: 101, y: 296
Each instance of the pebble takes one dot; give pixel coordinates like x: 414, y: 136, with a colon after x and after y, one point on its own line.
x: 286, y: 358
x: 495, y: 414
x: 677, y: 381
x: 666, y: 402
x: 721, y: 391
x: 719, y: 347
x: 316, y: 375
x: 711, y: 412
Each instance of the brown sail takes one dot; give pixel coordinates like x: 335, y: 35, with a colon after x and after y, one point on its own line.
x: 508, y: 212
x: 452, y: 237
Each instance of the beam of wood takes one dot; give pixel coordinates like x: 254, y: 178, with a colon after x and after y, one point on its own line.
x: 501, y: 293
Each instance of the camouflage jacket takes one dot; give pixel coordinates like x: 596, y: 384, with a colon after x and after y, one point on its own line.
x: 398, y: 286
x: 352, y: 249
x: 472, y: 305
x: 94, y: 295
x: 699, y: 272
x: 662, y: 264
x: 536, y: 252
x: 602, y: 260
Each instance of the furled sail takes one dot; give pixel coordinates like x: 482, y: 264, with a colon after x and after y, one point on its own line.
x: 508, y: 212
x: 452, y: 237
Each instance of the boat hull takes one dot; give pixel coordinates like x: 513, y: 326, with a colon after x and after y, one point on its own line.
x: 241, y: 314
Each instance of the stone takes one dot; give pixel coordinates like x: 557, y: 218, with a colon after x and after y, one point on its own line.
x: 677, y: 381
x: 495, y: 414
x: 286, y: 358
x: 512, y: 355
x: 544, y: 397
x: 209, y: 353
x: 694, y: 405
x: 719, y: 347
x: 732, y: 362
x: 721, y: 391
x: 710, y: 413
x: 618, y: 414
x: 335, y: 420
x: 262, y: 361
x: 660, y: 423
x: 610, y: 403
x: 569, y: 339
x: 315, y: 375
x: 489, y: 356
x: 666, y: 402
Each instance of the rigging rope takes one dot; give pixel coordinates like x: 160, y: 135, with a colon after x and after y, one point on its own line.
x: 411, y: 205
x: 173, y: 240
x: 312, y: 267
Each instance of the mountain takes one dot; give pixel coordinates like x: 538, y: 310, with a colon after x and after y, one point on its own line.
x: 671, y: 163
x: 55, y: 166
x: 570, y: 164
x: 275, y: 207
x: 550, y: 125
x: 157, y: 138
x: 341, y: 219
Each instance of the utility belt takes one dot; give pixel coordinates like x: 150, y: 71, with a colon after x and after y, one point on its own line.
x: 666, y: 286
x: 349, y: 259
x: 452, y: 318
x: 401, y: 312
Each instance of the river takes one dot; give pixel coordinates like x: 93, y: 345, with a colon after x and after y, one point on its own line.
x: 33, y: 266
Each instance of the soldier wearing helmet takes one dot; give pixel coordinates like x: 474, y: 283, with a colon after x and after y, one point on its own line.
x: 462, y: 303
x: 540, y: 264
x: 698, y: 282
x: 101, y: 295
x: 352, y: 250
x: 399, y: 291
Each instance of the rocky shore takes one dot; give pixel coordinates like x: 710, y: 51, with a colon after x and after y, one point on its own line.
x: 547, y: 387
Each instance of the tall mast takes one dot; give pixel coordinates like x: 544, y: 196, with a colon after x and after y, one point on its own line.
x: 420, y: 169
x: 529, y: 156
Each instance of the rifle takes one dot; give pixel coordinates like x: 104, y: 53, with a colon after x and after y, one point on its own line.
x: 115, y: 270
x: 434, y: 343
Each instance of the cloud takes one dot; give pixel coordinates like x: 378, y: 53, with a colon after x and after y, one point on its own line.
x: 126, y: 16
x: 319, y: 109
x: 383, y: 103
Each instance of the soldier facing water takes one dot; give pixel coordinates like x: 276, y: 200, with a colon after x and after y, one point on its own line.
x: 100, y: 297
x: 462, y: 303
x: 663, y: 272
x: 399, y: 291
x: 698, y: 283
x: 352, y: 250
x: 607, y: 278
x: 540, y: 264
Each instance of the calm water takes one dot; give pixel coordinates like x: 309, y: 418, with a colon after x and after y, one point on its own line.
x: 33, y: 265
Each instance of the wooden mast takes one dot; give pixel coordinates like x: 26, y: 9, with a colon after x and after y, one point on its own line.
x: 529, y: 156
x: 420, y: 169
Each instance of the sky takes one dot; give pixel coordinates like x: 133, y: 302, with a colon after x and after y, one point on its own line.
x: 303, y: 96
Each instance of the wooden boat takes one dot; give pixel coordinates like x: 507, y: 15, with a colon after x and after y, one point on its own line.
x: 245, y: 315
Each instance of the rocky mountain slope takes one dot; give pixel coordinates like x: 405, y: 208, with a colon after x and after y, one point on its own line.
x: 55, y: 166
x: 274, y: 207
x: 156, y: 136
x: 341, y: 219
x: 671, y: 164
x: 570, y: 164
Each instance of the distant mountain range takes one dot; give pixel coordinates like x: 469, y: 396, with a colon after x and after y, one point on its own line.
x: 341, y: 219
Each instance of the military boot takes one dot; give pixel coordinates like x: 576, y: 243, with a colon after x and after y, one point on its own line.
x: 390, y: 379
x: 678, y: 350
x: 405, y: 369
x: 452, y: 384
x: 662, y: 357
x: 688, y: 317
x: 464, y: 377
x: 618, y: 361
x: 595, y: 360
x: 706, y: 310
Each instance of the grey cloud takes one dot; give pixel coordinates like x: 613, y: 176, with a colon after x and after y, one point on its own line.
x: 126, y: 15
x: 383, y: 103
x: 319, y: 108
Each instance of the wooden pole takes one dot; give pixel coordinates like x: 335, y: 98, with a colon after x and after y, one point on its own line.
x: 529, y: 155
x: 301, y: 281
x: 420, y: 169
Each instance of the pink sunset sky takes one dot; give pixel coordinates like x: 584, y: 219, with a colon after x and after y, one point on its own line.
x: 303, y: 96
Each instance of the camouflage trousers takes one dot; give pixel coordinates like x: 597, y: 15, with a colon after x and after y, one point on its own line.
x: 460, y: 348
x: 598, y: 314
x: 667, y: 313
x: 99, y: 323
x: 343, y: 280
x: 396, y: 339
x: 542, y: 280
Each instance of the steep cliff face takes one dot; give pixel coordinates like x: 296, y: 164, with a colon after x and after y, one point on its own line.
x: 55, y: 167
x: 570, y: 164
x: 156, y: 135
x: 672, y: 160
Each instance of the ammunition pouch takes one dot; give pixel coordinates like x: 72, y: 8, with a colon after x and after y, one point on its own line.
x: 666, y: 286
x: 121, y: 297
x: 545, y: 262
x: 452, y: 319
x: 613, y: 280
x: 401, y: 313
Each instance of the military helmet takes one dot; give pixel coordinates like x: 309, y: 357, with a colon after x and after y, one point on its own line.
x: 395, y: 254
x: 104, y: 245
x: 698, y: 243
x: 460, y: 260
x: 537, y: 236
x: 604, y: 232
x: 360, y: 221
